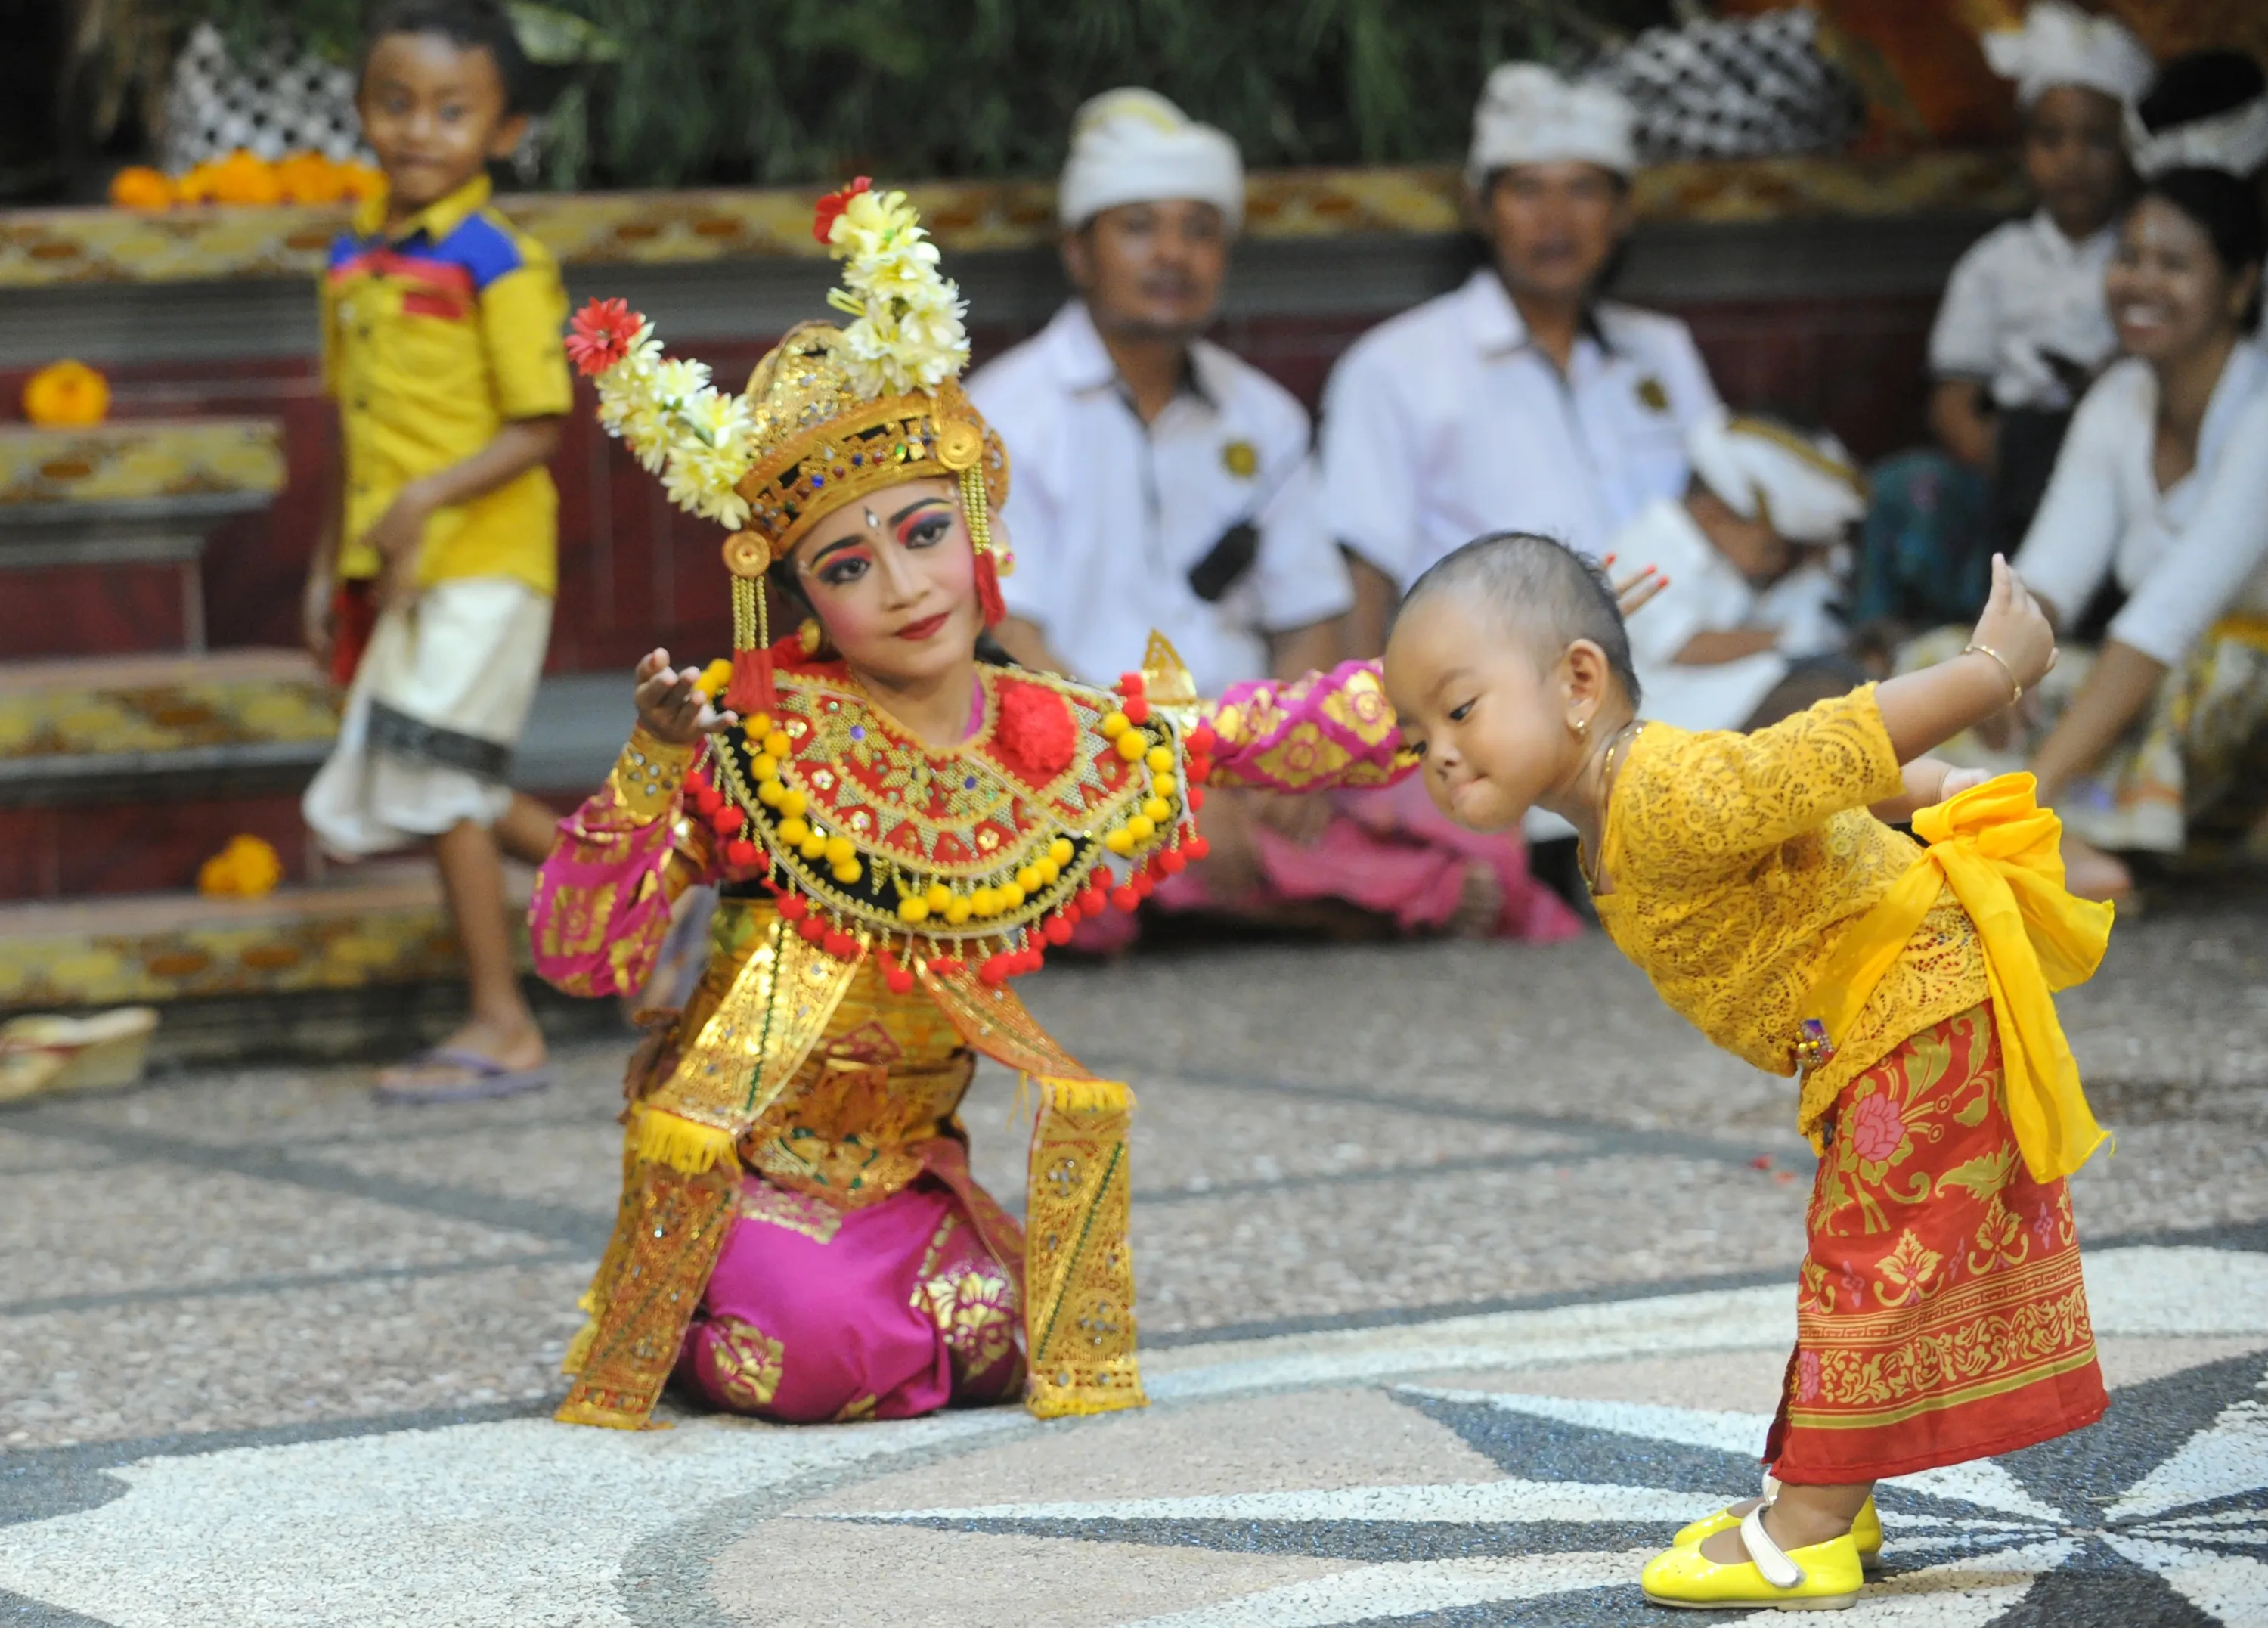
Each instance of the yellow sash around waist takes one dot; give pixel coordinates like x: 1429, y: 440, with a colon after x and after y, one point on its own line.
x: 1999, y: 853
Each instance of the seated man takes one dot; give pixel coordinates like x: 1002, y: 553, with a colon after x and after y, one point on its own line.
x: 1162, y: 483
x: 1523, y: 400
x: 1752, y: 558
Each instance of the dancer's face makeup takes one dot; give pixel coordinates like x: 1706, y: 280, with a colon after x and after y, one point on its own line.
x: 897, y: 596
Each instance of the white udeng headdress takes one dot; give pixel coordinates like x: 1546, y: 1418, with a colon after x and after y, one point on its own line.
x: 1133, y: 146
x: 2060, y: 44
x: 2234, y: 140
x: 1528, y: 114
x: 1806, y: 488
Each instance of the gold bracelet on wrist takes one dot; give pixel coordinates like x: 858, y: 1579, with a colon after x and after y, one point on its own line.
x: 648, y: 773
x: 1986, y: 650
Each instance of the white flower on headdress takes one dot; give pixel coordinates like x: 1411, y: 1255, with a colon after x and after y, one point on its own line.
x: 681, y: 427
x: 907, y: 333
x: 907, y: 336
x: 710, y: 457
x: 629, y: 405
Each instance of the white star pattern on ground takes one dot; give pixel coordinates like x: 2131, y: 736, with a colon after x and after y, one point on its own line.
x: 1967, y: 1545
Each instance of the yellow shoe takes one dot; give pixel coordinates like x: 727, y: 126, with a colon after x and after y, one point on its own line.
x: 1866, y: 1531
x: 1824, y: 1577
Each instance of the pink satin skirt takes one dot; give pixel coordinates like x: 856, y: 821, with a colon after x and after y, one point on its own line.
x: 890, y: 1311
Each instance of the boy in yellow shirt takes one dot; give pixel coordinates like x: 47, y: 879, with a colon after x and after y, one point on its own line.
x: 432, y: 595
x: 1941, y: 1315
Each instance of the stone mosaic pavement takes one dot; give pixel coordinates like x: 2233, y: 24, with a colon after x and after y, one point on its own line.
x: 1465, y: 1279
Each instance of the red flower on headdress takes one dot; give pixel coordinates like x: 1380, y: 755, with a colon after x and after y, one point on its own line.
x: 600, y: 334
x: 831, y: 207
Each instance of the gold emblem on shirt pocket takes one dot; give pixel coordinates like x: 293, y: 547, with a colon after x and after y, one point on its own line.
x: 1241, y: 459
x: 1653, y: 395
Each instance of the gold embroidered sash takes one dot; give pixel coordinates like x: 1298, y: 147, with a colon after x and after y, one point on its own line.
x: 680, y: 1176
x: 1079, y: 1263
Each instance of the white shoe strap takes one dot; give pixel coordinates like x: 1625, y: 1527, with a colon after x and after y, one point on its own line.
x: 1777, y: 1568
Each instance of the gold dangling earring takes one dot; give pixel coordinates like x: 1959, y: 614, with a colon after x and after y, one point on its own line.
x: 1582, y: 727
x: 810, y: 635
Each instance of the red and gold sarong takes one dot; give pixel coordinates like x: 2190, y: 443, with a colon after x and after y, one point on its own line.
x: 1940, y: 1316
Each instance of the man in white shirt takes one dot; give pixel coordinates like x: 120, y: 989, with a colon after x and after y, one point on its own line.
x: 1161, y: 482
x: 1521, y: 400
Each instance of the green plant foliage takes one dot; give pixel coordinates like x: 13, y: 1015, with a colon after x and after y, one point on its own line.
x: 779, y: 90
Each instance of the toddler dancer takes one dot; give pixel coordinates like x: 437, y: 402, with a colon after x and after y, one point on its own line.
x: 1941, y: 1315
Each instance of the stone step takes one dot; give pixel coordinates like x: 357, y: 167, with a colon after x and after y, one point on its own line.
x: 378, y: 924
x: 103, y: 528
x: 122, y: 774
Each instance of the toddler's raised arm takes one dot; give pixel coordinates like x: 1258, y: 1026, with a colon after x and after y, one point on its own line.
x: 2012, y: 650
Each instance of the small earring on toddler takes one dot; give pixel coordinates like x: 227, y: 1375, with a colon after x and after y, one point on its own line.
x: 810, y: 635
x: 1582, y: 728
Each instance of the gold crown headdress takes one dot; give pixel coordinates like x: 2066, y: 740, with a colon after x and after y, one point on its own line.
x: 829, y: 415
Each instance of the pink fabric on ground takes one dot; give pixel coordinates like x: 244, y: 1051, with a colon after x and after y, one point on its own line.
x: 1391, y: 851
x: 884, y: 1312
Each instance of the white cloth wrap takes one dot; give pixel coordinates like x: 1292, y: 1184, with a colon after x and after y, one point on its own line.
x: 1806, y: 487
x: 1133, y: 146
x: 1528, y: 114
x: 456, y: 673
x: 2060, y: 44
x: 2235, y: 141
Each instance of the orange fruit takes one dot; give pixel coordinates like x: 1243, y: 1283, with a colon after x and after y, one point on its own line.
x: 245, y: 178
x: 138, y: 187
x: 309, y: 178
x: 66, y: 395
x: 362, y: 180
x: 199, y: 185
x: 247, y: 869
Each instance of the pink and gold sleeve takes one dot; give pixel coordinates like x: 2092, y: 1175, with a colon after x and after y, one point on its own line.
x: 603, y: 899
x: 1316, y: 733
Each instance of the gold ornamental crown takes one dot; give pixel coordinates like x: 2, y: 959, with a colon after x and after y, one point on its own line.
x: 830, y: 414
x: 818, y: 443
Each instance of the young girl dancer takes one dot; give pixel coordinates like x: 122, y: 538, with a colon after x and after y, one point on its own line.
x: 898, y: 830
x: 1941, y: 1315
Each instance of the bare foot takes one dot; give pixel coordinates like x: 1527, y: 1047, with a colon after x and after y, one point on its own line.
x: 2089, y: 872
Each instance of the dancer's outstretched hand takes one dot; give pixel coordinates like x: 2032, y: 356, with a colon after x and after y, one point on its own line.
x: 2014, y: 628
x: 671, y: 705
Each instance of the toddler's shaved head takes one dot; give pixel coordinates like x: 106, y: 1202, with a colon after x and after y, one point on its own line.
x: 1540, y: 592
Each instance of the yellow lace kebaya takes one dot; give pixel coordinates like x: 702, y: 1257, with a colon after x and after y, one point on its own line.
x: 1737, y: 863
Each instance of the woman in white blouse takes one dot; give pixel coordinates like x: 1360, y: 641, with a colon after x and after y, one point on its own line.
x: 2154, y: 537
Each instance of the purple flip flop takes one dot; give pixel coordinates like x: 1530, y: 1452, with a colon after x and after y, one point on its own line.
x: 489, y: 1078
